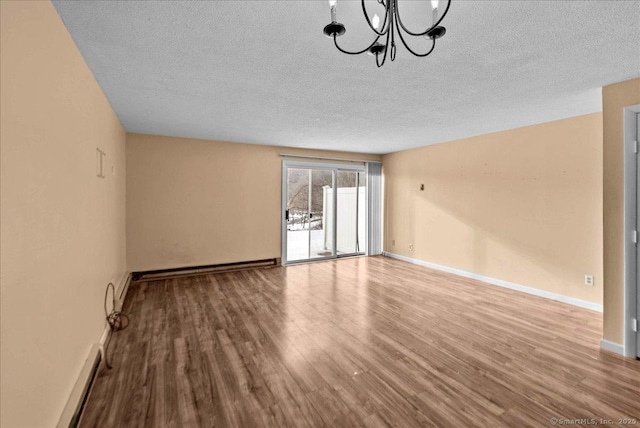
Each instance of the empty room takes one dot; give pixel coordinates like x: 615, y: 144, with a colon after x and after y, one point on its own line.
x: 343, y: 213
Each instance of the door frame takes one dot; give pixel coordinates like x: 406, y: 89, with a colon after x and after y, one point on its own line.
x: 631, y: 282
x: 335, y: 167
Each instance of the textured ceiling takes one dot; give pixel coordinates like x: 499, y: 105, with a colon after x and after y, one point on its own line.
x: 263, y: 72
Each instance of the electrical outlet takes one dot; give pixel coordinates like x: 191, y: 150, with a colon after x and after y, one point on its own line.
x: 393, y: 242
x: 588, y: 280
x: 410, y: 247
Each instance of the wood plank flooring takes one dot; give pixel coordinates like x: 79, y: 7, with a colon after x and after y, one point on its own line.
x: 368, y: 341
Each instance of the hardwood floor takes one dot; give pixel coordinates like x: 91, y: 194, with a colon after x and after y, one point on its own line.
x: 367, y: 341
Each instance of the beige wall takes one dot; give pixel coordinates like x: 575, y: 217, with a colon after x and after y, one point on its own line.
x: 197, y: 202
x: 62, y: 228
x: 523, y: 205
x: 614, y: 99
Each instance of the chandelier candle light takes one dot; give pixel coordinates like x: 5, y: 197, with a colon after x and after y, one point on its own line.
x: 391, y: 26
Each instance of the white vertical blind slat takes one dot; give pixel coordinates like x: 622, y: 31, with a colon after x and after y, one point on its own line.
x: 374, y: 223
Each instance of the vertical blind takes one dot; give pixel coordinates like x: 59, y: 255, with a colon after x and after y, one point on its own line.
x: 374, y: 221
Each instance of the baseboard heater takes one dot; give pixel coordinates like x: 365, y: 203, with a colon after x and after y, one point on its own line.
x: 161, y: 274
x: 75, y: 406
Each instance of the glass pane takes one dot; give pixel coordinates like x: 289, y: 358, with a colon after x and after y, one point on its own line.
x: 298, y: 209
x: 321, y: 214
x: 351, y: 212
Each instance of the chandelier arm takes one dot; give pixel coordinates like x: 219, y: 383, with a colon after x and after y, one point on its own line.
x: 386, y: 49
x: 392, y: 54
x: 335, y: 41
x: 384, y: 58
x: 433, y: 45
x: 428, y: 29
x: 384, y: 23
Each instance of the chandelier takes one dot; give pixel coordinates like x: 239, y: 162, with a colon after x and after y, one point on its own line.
x: 390, y: 26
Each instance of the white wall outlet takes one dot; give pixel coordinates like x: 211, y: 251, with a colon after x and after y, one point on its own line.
x: 410, y: 247
x: 589, y: 280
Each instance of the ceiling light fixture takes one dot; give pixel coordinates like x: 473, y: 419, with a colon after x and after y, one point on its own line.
x: 391, y: 25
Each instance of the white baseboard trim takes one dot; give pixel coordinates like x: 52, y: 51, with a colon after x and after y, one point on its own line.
x: 500, y: 283
x: 612, y: 346
x: 122, y: 289
x: 70, y: 412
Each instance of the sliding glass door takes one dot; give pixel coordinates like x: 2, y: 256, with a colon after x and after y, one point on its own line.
x: 324, y: 211
x: 305, y: 214
x: 351, y: 212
